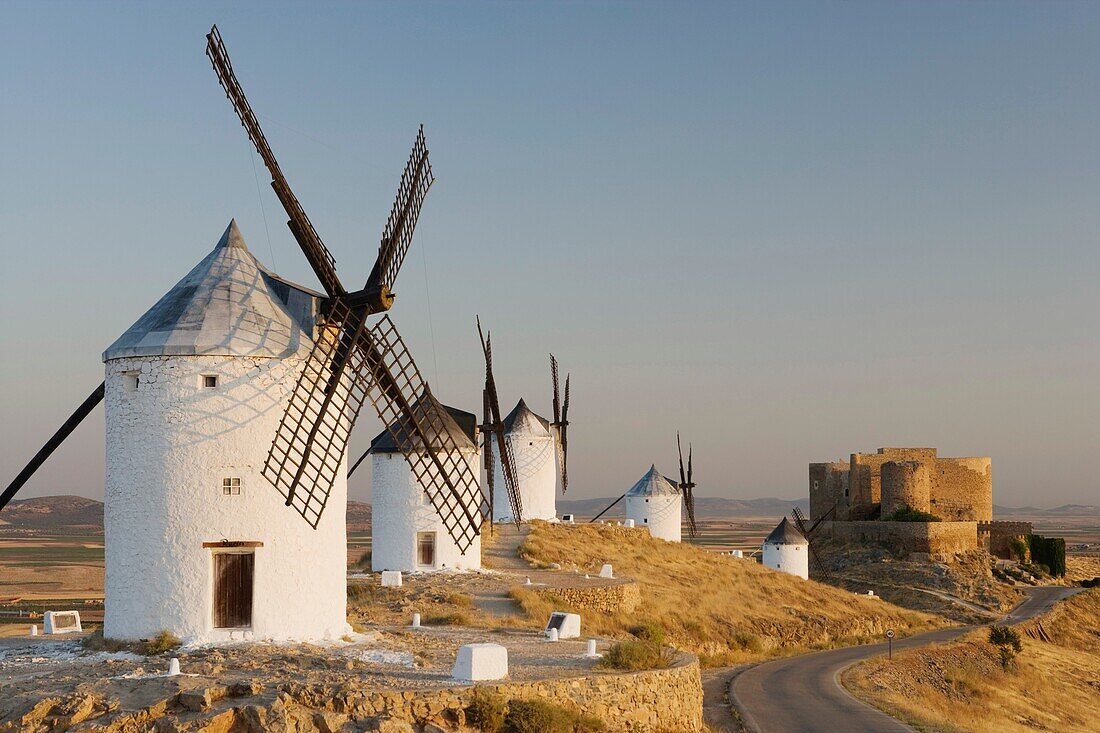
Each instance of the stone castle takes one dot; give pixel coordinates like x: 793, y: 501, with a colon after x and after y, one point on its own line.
x: 856, y: 500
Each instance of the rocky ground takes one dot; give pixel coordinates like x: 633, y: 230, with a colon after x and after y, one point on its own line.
x: 962, y: 588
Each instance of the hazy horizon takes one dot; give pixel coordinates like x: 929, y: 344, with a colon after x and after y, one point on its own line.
x: 790, y: 231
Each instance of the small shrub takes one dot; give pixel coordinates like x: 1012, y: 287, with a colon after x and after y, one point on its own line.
x: 447, y: 619
x: 1007, y: 641
x: 748, y: 641
x: 1005, y: 636
x: 361, y: 594
x: 459, y: 599
x: 364, y: 559
x: 486, y: 712
x: 650, y: 631
x: 539, y: 716
x: 163, y: 642
x: 909, y: 514
x: 94, y: 642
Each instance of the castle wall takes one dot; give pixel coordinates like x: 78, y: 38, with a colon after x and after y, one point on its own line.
x: 170, y: 443
x: 931, y: 537
x: 828, y: 486
x: 996, y: 537
x: 905, y: 484
x: 962, y: 489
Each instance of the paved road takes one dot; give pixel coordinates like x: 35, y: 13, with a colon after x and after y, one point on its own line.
x: 803, y: 695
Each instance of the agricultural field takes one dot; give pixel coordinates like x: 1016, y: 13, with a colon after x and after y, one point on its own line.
x: 41, y: 571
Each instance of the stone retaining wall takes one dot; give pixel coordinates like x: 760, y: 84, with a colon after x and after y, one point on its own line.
x: 930, y: 537
x: 661, y: 700
x: 603, y: 599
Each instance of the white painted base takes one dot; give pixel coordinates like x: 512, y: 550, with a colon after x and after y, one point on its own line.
x: 476, y: 662
x: 569, y: 626
x: 607, y: 571
x: 793, y: 559
x: 62, y: 622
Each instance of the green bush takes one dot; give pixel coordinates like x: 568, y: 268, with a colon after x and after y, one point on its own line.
x: 486, y: 712
x: 539, y: 716
x: 1019, y: 549
x: 94, y: 642
x: 1049, y: 551
x: 909, y: 514
x: 165, y: 641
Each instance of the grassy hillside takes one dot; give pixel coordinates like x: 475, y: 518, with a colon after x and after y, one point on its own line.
x: 1055, y: 684
x: 722, y: 608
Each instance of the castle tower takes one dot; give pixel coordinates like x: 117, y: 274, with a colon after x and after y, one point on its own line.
x: 906, y: 484
x: 197, y: 542
x: 655, y: 503
x: 407, y: 533
x: 786, y: 550
x: 536, y: 467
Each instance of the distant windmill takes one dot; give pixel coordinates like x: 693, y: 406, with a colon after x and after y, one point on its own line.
x: 492, y: 430
x: 808, y: 533
x: 650, y: 512
x: 560, y: 424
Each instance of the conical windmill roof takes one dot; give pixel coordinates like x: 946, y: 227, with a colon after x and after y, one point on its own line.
x: 523, y: 420
x: 460, y: 425
x: 228, y: 305
x: 653, y: 484
x: 786, y: 534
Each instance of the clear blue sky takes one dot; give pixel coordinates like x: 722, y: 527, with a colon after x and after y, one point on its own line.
x: 792, y: 231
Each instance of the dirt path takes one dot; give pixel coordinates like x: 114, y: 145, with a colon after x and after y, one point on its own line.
x: 717, y: 711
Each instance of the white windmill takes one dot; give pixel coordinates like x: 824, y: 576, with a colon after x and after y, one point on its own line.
x: 232, y: 399
x: 786, y: 550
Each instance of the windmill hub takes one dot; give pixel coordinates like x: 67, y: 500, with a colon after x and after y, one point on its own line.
x: 377, y: 297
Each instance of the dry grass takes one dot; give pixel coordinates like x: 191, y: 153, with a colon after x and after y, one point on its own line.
x: 1082, y: 567
x: 961, y: 687
x: 724, y: 609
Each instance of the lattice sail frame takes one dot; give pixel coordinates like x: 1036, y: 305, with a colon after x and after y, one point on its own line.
x: 398, y: 234
x: 311, y: 441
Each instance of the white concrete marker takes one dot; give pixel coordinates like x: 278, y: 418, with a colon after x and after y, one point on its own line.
x: 475, y: 662
x: 62, y: 622
x: 527, y: 582
x: 391, y: 578
x: 416, y: 621
x: 591, y: 653
x: 34, y: 629
x: 607, y: 572
x: 173, y: 667
x: 587, y: 576
x: 564, y: 625
x: 628, y: 523
x: 554, y: 635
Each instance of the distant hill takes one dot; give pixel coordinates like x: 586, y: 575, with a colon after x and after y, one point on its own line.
x: 705, y: 507
x: 49, y: 512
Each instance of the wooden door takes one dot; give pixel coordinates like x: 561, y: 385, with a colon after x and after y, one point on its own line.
x: 425, y: 549
x: 233, y: 589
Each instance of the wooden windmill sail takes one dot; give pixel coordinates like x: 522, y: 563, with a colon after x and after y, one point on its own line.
x: 687, y: 487
x: 492, y: 429
x: 808, y: 533
x: 561, y: 425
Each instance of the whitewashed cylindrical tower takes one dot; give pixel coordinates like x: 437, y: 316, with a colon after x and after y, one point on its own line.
x: 655, y: 503
x: 407, y: 533
x: 786, y: 550
x: 197, y: 541
x: 536, y: 467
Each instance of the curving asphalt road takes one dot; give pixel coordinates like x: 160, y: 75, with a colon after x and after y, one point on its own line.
x: 803, y: 694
